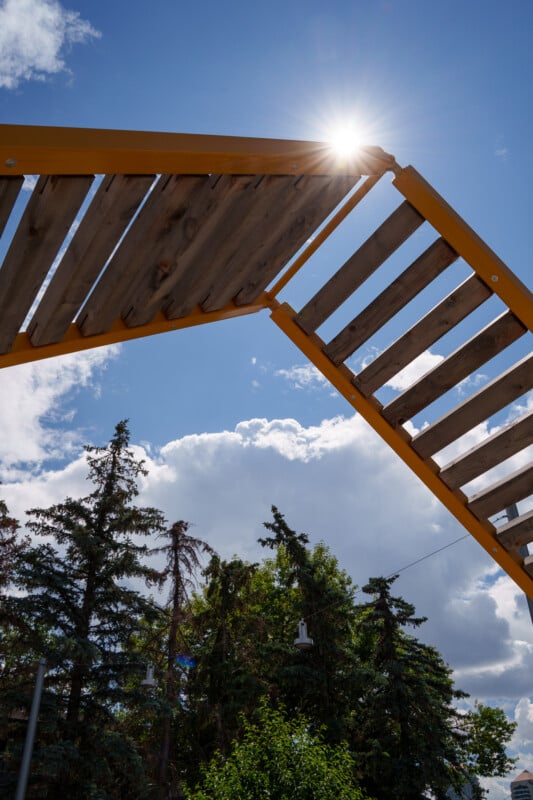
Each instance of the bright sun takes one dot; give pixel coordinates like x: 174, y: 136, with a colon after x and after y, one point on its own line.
x: 345, y: 141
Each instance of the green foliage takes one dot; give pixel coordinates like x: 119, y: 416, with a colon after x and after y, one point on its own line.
x: 279, y: 759
x: 74, y: 605
x: 484, y: 732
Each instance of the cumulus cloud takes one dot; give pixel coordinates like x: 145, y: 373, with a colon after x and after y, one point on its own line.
x: 34, y: 35
x: 338, y: 482
x: 35, y: 410
x: 303, y: 376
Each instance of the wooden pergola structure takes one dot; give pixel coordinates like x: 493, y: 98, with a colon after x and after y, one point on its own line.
x: 128, y: 234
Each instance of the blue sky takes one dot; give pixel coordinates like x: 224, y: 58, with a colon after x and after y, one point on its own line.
x: 229, y: 416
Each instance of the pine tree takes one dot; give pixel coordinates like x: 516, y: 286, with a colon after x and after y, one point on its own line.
x: 76, y: 606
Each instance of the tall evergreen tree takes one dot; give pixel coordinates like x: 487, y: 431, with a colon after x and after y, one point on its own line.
x: 76, y: 606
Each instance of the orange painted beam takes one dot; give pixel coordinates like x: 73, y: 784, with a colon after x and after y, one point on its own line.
x: 23, y: 351
x: 36, y: 150
x: 398, y: 439
x: 467, y: 243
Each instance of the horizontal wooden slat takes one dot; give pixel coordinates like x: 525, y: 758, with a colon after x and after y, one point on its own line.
x: 518, y: 532
x: 455, y: 368
x: 9, y: 191
x: 50, y: 212
x: 288, y: 228
x: 487, y: 454
x: 384, y: 241
x: 511, y: 384
x: 141, y: 250
x: 104, y: 222
x: 415, y: 278
x: 448, y: 313
x: 503, y: 494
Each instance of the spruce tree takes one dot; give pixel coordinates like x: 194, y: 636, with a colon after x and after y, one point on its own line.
x: 78, y: 604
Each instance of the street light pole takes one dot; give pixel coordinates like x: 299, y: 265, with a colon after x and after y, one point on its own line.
x: 512, y: 513
x: 30, y: 731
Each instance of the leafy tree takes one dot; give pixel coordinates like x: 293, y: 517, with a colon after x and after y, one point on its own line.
x: 281, y: 759
x: 76, y: 606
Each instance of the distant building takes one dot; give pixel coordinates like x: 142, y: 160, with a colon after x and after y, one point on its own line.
x: 522, y: 786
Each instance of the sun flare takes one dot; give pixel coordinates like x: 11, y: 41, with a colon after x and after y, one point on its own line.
x: 345, y: 141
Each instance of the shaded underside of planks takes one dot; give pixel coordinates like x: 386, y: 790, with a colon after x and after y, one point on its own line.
x: 145, y: 244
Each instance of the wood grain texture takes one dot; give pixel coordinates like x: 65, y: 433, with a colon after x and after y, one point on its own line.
x: 140, y: 250
x: 495, y: 449
x: 448, y: 313
x: 186, y: 247
x: 9, y: 191
x: 270, y: 243
x: 221, y: 239
x: 50, y: 212
x: 501, y: 391
x: 111, y: 210
x: 425, y: 269
x: 517, y: 532
x: 403, y: 222
x: 502, y: 494
x: 456, y: 367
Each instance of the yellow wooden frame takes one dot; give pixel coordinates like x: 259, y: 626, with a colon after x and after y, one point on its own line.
x: 47, y: 150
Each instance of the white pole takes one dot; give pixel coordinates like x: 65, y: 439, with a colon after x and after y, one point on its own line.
x: 30, y: 732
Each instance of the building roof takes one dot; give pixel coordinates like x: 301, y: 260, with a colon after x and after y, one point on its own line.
x: 525, y: 775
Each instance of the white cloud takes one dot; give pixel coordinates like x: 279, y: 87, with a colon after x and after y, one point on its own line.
x: 34, y: 35
x: 303, y: 376
x: 341, y: 484
x: 34, y: 403
x: 415, y: 370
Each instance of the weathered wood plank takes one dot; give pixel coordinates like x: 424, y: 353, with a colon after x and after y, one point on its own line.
x: 517, y: 532
x: 50, y: 212
x: 384, y: 241
x: 426, y: 268
x: 182, y: 247
x: 158, y: 220
x: 512, y: 383
x: 459, y: 365
x: 448, y: 313
x: 9, y: 191
x: 300, y: 222
x: 223, y: 234
x: 111, y: 210
x: 495, y: 449
x: 502, y: 494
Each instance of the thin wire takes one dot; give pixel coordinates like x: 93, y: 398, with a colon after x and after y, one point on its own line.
x: 395, y: 572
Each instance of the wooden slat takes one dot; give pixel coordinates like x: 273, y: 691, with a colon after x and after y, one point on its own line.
x: 185, y: 244
x: 384, y: 241
x: 265, y: 251
x: 140, y: 251
x: 50, y: 212
x: 415, y: 278
x: 448, y: 313
x: 220, y: 241
x: 111, y: 210
x: 9, y: 191
x: 511, y: 384
x: 502, y: 494
x: 518, y: 532
x: 456, y: 367
x: 495, y: 449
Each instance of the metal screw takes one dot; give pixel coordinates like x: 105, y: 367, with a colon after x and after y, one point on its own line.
x: 494, y: 278
x: 11, y: 162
